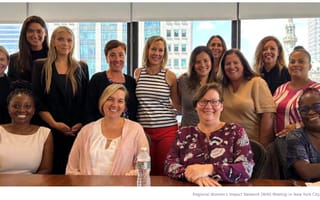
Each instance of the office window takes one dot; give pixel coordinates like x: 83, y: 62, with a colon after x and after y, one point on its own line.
x: 169, y: 47
x: 168, y: 33
x: 176, y: 33
x: 183, y: 33
x: 183, y: 48
x: 176, y: 63
x: 176, y: 48
x: 196, y: 33
x: 183, y: 63
x: 290, y: 32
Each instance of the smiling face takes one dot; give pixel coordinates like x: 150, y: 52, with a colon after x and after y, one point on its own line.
x: 234, y: 68
x: 63, y: 42
x: 309, y: 108
x: 35, y: 35
x: 202, y: 65
x: 209, y: 107
x: 299, y: 65
x: 116, y: 58
x: 4, y: 62
x: 21, y: 108
x: 270, y: 53
x: 115, y: 104
x: 216, y: 48
x: 156, y: 53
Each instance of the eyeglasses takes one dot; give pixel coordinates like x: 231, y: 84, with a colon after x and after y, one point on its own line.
x: 304, y: 110
x: 212, y: 102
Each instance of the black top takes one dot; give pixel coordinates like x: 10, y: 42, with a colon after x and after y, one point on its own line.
x: 4, y: 92
x: 274, y: 79
x: 60, y: 102
x: 99, y: 81
x: 14, y: 74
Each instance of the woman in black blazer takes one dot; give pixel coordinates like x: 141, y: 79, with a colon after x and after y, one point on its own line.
x: 60, y: 84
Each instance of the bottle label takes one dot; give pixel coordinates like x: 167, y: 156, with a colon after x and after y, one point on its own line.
x: 143, y: 165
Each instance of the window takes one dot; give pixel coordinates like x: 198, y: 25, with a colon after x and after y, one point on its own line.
x: 176, y: 48
x: 183, y: 63
x: 168, y: 33
x: 290, y: 32
x: 183, y: 33
x: 176, y: 33
x: 183, y: 48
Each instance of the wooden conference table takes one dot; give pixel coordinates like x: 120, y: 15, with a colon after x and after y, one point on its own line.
x: 81, y: 180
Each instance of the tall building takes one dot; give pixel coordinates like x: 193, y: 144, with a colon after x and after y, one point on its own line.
x: 178, y: 37
x: 314, y: 47
x: 290, y: 38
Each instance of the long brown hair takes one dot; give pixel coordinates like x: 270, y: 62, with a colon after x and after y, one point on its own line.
x: 24, y: 54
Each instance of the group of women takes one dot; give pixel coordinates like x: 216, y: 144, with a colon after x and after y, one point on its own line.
x: 98, y: 126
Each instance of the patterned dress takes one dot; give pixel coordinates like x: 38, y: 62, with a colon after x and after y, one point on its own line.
x: 228, y: 149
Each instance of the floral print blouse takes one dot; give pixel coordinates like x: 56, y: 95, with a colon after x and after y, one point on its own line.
x: 227, y: 148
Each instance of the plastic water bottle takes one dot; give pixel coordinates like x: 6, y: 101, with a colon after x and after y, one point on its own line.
x: 144, y: 167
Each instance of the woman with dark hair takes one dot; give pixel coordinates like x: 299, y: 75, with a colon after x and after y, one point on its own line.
x: 287, y: 95
x: 115, y: 53
x: 199, y: 73
x: 218, y: 46
x: 33, y: 44
x: 248, y: 99
x: 24, y: 148
x: 303, y: 144
x: 211, y: 151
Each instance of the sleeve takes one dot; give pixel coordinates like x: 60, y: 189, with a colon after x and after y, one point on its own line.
x: 74, y: 160
x: 172, y: 166
x: 92, y: 99
x: 38, y: 85
x: 12, y: 72
x: 240, y: 170
x: 262, y: 97
x: 295, y: 147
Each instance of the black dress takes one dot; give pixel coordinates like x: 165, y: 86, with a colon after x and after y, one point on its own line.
x: 63, y: 105
x: 14, y: 74
x: 4, y: 92
x: 97, y: 84
x: 274, y: 79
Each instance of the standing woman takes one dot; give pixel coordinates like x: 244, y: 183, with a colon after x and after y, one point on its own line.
x: 156, y: 90
x: 270, y: 63
x: 218, y: 47
x: 288, y: 94
x: 115, y: 53
x: 248, y: 100
x: 4, y: 86
x: 33, y: 44
x: 60, y: 83
x: 200, y: 72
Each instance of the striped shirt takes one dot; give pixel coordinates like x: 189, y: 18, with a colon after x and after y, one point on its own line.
x: 153, y: 94
x: 286, y: 100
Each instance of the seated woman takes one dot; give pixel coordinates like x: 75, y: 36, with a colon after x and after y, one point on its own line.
x: 24, y: 148
x: 303, y: 144
x: 212, y: 151
x: 110, y: 145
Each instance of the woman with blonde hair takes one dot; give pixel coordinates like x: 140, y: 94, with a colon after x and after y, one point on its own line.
x: 270, y: 63
x: 156, y: 92
x: 109, y: 145
x: 60, y: 83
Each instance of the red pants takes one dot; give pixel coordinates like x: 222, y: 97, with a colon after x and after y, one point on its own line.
x: 161, y: 142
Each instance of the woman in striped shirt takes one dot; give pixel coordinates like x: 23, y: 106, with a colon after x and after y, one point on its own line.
x: 288, y: 94
x: 156, y: 92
